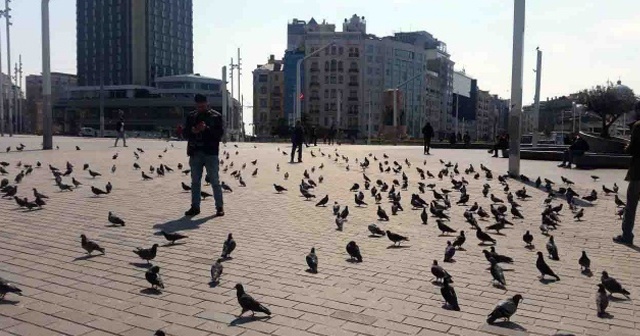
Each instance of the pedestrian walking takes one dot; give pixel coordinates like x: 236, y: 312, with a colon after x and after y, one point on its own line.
x: 120, y: 130
x: 314, y: 136
x: 332, y: 134
x: 204, y: 130
x: 297, y: 139
x: 633, y: 177
x: 427, y: 134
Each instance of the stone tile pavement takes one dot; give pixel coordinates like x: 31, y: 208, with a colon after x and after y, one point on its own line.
x: 390, y: 293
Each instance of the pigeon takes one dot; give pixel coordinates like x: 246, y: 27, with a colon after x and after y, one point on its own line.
x: 382, y: 215
x: 444, y: 228
x: 98, y: 191
x: 336, y: 208
x: 323, y: 202
x: 36, y: 194
x: 497, y: 226
x: 173, y: 237
x: 228, y: 247
x: 345, y: 212
x: 7, y: 287
x: 216, y: 271
x: 584, y: 262
x: 440, y: 272
x: 312, y: 260
x: 396, y: 238
x: 449, y: 252
x: 495, y: 199
x: 359, y: 202
x: 11, y: 192
x: 205, y: 194
x: 225, y: 187
x: 552, y: 249
x: 484, y: 237
x: 108, y: 187
x: 606, y: 190
x: 497, y: 273
x: 578, y: 216
x: 355, y: 187
x: 113, y: 219
x: 65, y: 187
x: 339, y: 222
x: 279, y: 189
x: 602, y: 301
x: 147, y: 254
x: 94, y: 174
x: 153, y: 277
x: 459, y: 241
x: 619, y: 202
x: 90, y: 246
x: 375, y: 230
x: 75, y: 182
x: 424, y: 216
x: 21, y: 202
x: 493, y: 255
x: 248, y: 303
x: 185, y: 187
x: 40, y: 202
x: 544, y: 268
x: 449, y: 295
x: 505, y: 309
x: 516, y: 213
x: 612, y: 285
x: 354, y: 251
x: 146, y: 177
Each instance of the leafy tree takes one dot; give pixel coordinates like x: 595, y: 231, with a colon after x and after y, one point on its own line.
x: 608, y: 103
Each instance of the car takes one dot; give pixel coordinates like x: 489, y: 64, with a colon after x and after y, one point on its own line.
x: 87, y: 132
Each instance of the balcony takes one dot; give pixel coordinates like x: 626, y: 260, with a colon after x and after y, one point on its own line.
x: 354, y: 55
x: 354, y: 84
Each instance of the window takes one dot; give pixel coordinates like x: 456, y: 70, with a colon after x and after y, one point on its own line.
x: 263, y: 90
x: 333, y: 50
x: 340, y: 50
x: 263, y: 103
x: 333, y: 93
x: 326, y: 66
x: 263, y: 78
x: 340, y: 79
x: 326, y: 93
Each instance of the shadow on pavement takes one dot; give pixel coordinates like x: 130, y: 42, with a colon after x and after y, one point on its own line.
x: 184, y: 223
x: 510, y: 325
x: 245, y: 319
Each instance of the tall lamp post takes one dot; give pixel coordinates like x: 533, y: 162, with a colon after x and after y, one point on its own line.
x: 10, y: 93
x: 47, y: 134
x: 516, y: 87
x: 298, y: 113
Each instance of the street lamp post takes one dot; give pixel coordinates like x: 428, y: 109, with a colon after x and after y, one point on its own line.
x: 10, y: 93
x: 516, y: 87
x: 47, y: 134
x: 298, y: 113
x: 536, y: 112
x: 369, y: 121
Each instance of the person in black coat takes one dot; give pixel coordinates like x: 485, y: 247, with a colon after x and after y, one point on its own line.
x: 427, y: 134
x: 297, y: 139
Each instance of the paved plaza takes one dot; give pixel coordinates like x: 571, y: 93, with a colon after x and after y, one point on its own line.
x: 389, y: 294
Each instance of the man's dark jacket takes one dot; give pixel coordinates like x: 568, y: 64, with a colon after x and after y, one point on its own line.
x: 207, y: 141
x: 298, y: 135
x: 633, y: 174
x: 427, y: 132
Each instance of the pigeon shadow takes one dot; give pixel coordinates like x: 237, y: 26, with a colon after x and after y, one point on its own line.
x: 141, y: 264
x: 486, y: 244
x: 530, y: 247
x: 617, y: 299
x: 587, y: 273
x: 375, y: 236
x: 308, y: 270
x: 633, y: 247
x: 246, y: 319
x: 183, y: 223
x: 397, y: 246
x: 113, y: 225
x: 150, y: 291
x: 605, y: 315
x: 86, y: 257
x: 547, y: 281
x: 353, y: 261
x: 510, y: 325
x: 213, y: 284
x: 173, y: 244
x: 8, y: 302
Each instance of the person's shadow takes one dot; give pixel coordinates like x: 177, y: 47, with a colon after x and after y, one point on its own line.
x: 184, y: 223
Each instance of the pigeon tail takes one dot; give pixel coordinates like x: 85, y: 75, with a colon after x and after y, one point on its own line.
x: 263, y: 309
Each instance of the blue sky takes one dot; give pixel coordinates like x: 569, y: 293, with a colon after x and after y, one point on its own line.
x: 585, y: 42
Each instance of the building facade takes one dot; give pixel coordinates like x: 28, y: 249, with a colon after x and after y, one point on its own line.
x: 158, y: 109
x: 60, y: 84
x: 131, y: 42
x: 268, y: 94
x: 343, y: 85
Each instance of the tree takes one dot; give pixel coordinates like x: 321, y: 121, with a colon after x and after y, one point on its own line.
x: 608, y: 103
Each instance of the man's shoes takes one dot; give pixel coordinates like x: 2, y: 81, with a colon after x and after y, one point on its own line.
x: 621, y: 240
x: 219, y: 212
x: 562, y: 165
x: 192, y: 212
x: 299, y: 161
x: 495, y: 155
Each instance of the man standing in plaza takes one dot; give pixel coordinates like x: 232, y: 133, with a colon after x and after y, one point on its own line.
x: 427, y: 134
x: 120, y: 130
x: 633, y: 177
x: 204, y: 130
x: 297, y: 139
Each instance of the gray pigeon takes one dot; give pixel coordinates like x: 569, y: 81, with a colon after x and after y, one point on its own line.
x: 113, y: 219
x: 602, y: 300
x: 375, y: 230
x: 552, y: 249
x: 612, y: 285
x: 449, y: 252
x: 216, y: 271
x: 153, y: 277
x: 505, y: 309
x: 497, y: 273
x: 312, y: 260
x: 440, y: 272
x: 7, y: 287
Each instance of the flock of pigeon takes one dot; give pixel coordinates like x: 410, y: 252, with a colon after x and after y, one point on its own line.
x: 380, y: 192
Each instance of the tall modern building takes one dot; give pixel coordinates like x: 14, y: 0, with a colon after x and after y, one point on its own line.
x: 131, y: 42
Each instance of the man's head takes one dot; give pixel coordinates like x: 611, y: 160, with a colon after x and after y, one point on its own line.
x: 201, y: 102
